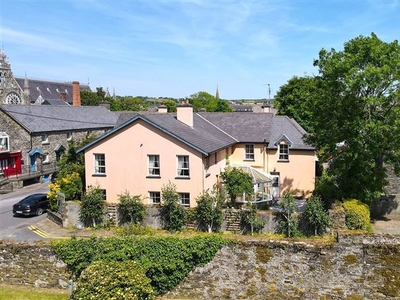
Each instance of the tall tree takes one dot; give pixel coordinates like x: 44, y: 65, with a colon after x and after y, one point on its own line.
x: 203, y: 100
x: 356, y: 115
x: 293, y: 99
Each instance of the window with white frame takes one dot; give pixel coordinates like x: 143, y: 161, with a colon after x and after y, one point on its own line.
x: 249, y: 152
x: 4, y: 142
x: 154, y: 165
x: 45, y: 158
x: 283, y: 152
x: 183, y: 166
x: 99, y: 163
x: 45, y: 138
x: 185, y: 199
x: 154, y: 197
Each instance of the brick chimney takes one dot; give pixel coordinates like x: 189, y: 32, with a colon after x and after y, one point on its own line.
x: 76, y: 94
x: 184, y: 113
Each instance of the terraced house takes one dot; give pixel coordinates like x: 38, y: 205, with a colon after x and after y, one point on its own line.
x: 145, y: 151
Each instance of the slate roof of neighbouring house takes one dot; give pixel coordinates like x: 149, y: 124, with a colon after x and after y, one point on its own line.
x: 48, y: 118
x: 249, y: 127
x: 49, y: 89
x: 54, y: 102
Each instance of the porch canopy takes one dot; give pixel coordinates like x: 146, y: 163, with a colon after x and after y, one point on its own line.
x: 258, y: 176
x: 262, y: 184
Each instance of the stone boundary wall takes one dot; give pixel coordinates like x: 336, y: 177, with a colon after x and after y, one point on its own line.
x: 31, y: 264
x: 355, y: 267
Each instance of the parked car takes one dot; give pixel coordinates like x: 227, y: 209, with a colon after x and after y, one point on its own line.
x: 35, y: 204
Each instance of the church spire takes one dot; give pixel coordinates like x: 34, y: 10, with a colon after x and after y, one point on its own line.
x: 217, y: 93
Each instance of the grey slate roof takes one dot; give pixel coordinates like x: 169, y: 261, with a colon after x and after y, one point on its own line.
x: 215, y: 131
x: 48, y: 89
x: 203, y: 136
x: 54, y: 102
x: 48, y: 118
x: 249, y: 127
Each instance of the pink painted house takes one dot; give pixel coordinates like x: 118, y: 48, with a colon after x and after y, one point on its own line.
x: 146, y: 151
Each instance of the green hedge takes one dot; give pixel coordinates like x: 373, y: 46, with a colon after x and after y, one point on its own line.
x: 166, y: 260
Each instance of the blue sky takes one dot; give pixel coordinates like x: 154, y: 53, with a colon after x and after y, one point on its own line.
x: 165, y: 48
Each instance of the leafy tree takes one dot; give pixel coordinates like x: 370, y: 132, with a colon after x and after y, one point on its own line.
x: 203, y: 100
x: 223, y: 106
x: 170, y: 104
x: 316, y: 216
x: 208, y: 211
x: 293, y: 99
x: 89, y: 98
x: 287, y: 218
x: 129, y: 104
x: 131, y: 209
x: 93, y: 205
x: 237, y: 182
x: 172, y: 212
x: 356, y: 116
x: 249, y: 218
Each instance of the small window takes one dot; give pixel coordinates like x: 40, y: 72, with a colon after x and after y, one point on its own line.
x: 249, y: 152
x: 69, y: 136
x: 283, y: 152
x: 154, y: 165
x: 4, y: 142
x: 154, y: 198
x: 45, y: 158
x: 185, y: 199
x: 45, y: 139
x: 183, y: 166
x: 99, y: 164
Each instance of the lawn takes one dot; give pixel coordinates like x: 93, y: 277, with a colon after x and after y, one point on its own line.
x: 19, y: 292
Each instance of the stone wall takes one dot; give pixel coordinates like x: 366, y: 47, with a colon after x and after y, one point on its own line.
x: 31, y: 264
x: 354, y: 267
x: 357, y: 267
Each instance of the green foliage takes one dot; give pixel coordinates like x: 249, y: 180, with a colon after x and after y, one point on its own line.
x: 237, y: 182
x: 293, y: 98
x: 172, y: 212
x: 89, y: 98
x: 327, y: 190
x: 357, y: 214
x: 166, y: 260
x: 249, y: 218
x: 129, y: 103
x: 170, y: 104
x: 288, y: 222
x: 316, y: 216
x: 131, y: 209
x: 113, y: 280
x: 204, y: 100
x: 93, y: 206
x: 208, y: 211
x: 355, y: 115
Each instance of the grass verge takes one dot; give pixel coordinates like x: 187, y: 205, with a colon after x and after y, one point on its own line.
x: 20, y: 292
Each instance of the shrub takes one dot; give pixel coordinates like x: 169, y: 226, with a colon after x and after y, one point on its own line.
x: 287, y: 218
x: 357, y: 214
x: 131, y: 209
x: 172, y: 212
x: 250, y: 219
x: 113, y: 280
x: 208, y: 211
x: 315, y: 215
x: 93, y: 206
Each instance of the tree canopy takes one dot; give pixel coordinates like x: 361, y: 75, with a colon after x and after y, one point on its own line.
x: 352, y: 114
x: 210, y: 103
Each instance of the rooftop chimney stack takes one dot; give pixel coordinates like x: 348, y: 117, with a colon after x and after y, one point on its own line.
x: 76, y: 94
x: 184, y: 113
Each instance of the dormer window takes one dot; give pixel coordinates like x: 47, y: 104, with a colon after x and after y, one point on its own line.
x: 283, y: 148
x: 4, y: 142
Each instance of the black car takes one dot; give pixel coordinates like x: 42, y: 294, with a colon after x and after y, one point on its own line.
x: 35, y: 204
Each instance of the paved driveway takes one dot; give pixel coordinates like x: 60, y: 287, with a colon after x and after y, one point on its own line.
x: 389, y: 225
